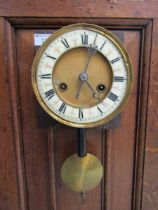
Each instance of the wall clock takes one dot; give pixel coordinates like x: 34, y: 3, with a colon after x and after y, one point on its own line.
x: 82, y: 77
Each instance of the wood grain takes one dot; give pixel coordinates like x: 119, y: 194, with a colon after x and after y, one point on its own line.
x: 150, y: 191
x: 8, y: 165
x: 35, y: 146
x: 78, y: 8
x: 53, y: 22
x: 15, y: 106
x: 32, y: 156
x: 142, y: 103
x: 121, y: 142
x: 60, y: 144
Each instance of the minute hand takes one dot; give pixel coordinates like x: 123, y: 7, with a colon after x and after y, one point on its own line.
x: 91, y: 52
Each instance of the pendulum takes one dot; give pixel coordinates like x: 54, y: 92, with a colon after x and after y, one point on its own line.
x: 82, y: 171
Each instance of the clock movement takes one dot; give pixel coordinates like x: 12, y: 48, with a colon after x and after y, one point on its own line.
x: 82, y: 77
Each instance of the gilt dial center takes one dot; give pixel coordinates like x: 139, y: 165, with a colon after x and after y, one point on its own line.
x: 70, y: 69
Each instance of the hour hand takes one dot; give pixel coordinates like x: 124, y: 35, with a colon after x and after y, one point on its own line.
x: 95, y: 94
x: 83, y: 78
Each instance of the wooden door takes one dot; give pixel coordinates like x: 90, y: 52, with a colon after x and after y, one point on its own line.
x: 33, y: 148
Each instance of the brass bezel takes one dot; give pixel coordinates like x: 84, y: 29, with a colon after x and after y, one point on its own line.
x: 121, y: 49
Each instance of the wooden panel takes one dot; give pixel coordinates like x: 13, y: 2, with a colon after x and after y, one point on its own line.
x: 34, y: 139
x: 78, y: 8
x: 54, y: 22
x: 45, y: 150
x: 31, y: 158
x: 8, y: 163
x: 34, y: 156
x: 121, y: 142
x: 150, y: 191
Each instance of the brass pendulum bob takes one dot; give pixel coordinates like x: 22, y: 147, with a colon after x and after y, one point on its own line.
x: 81, y: 172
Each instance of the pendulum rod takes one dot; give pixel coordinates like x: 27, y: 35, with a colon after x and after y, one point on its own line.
x: 81, y: 150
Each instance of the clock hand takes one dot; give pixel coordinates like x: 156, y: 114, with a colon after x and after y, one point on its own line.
x: 95, y: 94
x: 84, y: 76
x: 91, y: 52
x: 79, y: 89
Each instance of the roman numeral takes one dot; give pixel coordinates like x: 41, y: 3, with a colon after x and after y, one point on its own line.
x: 115, y: 60
x: 84, y: 39
x: 80, y: 114
x: 112, y: 96
x: 45, y: 76
x: 102, y: 45
x: 95, y: 39
x: 50, y: 56
x: 50, y: 93
x: 62, y: 108
x: 65, y: 43
x: 119, y: 79
x: 99, y: 110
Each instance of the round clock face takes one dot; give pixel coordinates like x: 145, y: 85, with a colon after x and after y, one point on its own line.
x: 82, y: 75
